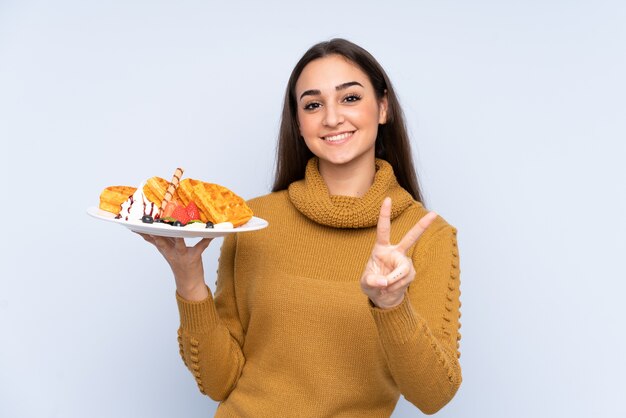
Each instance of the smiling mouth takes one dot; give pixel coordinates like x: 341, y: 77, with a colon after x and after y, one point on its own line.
x: 338, y: 137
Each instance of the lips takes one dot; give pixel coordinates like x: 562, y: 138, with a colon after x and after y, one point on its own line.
x: 338, y: 137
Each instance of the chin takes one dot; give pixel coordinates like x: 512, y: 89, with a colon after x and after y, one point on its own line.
x: 344, y: 160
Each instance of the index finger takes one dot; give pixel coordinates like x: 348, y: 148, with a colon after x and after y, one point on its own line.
x: 414, y: 233
x: 383, y: 228
x: 147, y: 237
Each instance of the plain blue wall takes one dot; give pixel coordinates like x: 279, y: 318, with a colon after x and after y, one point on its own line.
x: 518, y: 116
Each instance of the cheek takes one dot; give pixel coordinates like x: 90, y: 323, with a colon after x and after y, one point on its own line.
x: 364, y: 116
x: 307, y: 125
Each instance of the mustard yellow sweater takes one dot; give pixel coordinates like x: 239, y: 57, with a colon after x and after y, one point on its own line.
x: 289, y: 333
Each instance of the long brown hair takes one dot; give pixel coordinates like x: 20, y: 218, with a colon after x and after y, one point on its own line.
x: 392, y: 141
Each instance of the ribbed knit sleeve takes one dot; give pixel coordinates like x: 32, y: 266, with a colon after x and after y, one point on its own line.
x: 210, y: 335
x: 420, y: 336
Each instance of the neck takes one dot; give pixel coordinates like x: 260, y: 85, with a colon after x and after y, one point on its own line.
x: 353, y: 179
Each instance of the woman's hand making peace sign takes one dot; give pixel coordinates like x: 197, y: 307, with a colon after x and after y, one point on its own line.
x: 389, y: 271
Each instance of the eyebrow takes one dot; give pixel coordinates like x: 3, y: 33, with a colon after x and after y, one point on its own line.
x: 340, y: 87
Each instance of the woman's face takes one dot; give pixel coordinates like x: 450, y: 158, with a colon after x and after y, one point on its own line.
x: 338, y: 112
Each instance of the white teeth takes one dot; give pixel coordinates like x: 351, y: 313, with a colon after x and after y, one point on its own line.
x: 337, y: 137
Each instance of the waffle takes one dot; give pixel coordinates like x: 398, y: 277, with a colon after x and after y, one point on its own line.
x: 155, y: 189
x: 219, y: 204
x: 112, y: 197
x: 185, y: 190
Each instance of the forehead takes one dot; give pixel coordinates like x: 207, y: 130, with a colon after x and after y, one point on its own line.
x: 329, y: 72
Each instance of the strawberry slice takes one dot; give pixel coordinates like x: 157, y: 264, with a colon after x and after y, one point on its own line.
x: 180, y: 214
x: 192, y: 211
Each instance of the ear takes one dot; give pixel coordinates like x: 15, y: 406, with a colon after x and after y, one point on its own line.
x: 382, y: 109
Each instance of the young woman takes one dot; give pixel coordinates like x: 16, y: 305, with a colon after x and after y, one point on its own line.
x: 350, y: 298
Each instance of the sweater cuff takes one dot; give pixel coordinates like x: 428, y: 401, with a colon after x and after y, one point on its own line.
x: 398, y: 324
x: 199, y: 317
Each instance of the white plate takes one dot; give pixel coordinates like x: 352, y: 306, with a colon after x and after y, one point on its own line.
x: 165, y: 230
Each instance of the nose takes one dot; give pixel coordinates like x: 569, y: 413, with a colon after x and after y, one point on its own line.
x: 333, y: 116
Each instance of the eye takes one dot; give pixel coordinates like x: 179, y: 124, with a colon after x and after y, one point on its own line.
x: 312, y: 106
x: 352, y: 98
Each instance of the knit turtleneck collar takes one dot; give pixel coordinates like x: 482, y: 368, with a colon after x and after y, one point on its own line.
x: 311, y: 197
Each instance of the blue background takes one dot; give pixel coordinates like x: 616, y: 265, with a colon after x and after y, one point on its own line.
x: 517, y: 113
